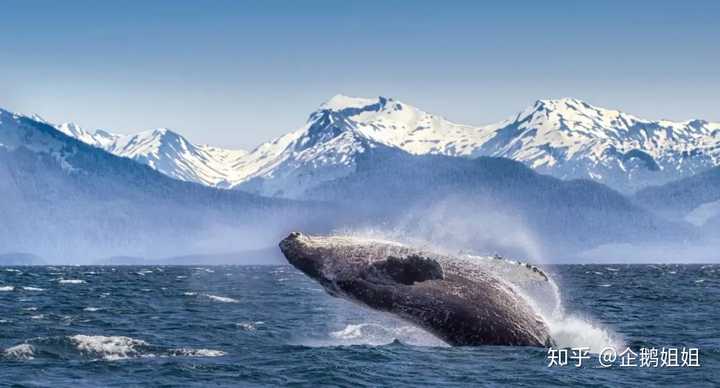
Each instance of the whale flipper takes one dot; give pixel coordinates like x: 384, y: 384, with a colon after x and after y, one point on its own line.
x: 409, y: 270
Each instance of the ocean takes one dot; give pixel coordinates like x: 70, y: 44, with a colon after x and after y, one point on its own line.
x: 123, y: 326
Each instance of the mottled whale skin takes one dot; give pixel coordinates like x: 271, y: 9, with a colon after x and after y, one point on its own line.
x: 458, y: 302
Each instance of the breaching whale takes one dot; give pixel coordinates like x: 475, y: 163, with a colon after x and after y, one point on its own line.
x: 461, y: 300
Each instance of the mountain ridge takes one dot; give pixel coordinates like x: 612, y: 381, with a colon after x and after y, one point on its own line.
x: 566, y: 138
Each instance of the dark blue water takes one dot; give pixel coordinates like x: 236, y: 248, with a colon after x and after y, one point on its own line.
x: 260, y: 326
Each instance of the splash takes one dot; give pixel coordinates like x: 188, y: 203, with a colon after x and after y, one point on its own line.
x: 568, y: 330
x: 376, y: 334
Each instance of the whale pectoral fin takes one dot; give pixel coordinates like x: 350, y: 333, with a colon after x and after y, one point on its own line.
x: 409, y: 270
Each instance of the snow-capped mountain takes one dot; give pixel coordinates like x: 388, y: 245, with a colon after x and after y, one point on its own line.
x: 64, y: 199
x: 167, y: 152
x: 566, y: 138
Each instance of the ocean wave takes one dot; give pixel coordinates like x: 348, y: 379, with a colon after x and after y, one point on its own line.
x: 223, y: 299
x: 71, y: 281
x: 108, y: 348
x: 98, y: 347
x: 19, y: 352
x: 188, y: 352
x: 249, y: 326
x: 7, y: 288
x: 28, y: 288
x: 377, y: 334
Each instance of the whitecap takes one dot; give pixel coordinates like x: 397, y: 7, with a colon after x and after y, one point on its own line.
x: 112, y: 348
x: 71, y: 281
x: 223, y: 299
x: 247, y: 326
x: 189, y: 293
x: 39, y: 316
x: 20, y: 352
x: 700, y: 281
x: 108, y: 347
x: 376, y: 334
x: 187, y: 352
x: 7, y: 288
x: 28, y: 288
x: 92, y: 309
x: 605, y: 285
x: 612, y: 269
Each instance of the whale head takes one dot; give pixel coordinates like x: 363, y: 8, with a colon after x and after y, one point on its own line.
x: 337, y: 263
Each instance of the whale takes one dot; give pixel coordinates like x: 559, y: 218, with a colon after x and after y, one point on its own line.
x: 461, y: 299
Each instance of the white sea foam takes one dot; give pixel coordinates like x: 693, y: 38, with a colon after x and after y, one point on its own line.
x: 223, y: 299
x: 189, y: 293
x: 570, y: 330
x: 574, y: 331
x: 112, y: 348
x: 33, y: 289
x: 108, y: 347
x: 187, y: 352
x: 71, y: 281
x: 7, y: 288
x: 92, y: 309
x: 377, y: 334
x: 249, y: 326
x: 20, y: 352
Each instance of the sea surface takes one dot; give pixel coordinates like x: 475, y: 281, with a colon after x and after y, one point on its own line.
x: 271, y: 325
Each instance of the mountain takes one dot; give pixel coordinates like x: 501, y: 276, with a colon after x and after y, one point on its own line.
x: 65, y: 200
x: 167, y: 152
x: 565, y: 138
x: 695, y: 199
x: 491, y: 204
x: 568, y: 138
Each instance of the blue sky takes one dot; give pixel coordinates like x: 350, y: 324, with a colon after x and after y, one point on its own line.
x: 236, y: 73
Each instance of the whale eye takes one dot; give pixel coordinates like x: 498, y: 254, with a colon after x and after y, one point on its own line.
x: 409, y: 270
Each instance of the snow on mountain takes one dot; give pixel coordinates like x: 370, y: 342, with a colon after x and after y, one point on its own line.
x: 167, y: 152
x: 566, y: 138
x: 17, y: 131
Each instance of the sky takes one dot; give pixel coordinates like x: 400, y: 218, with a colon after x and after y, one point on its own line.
x: 237, y: 73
